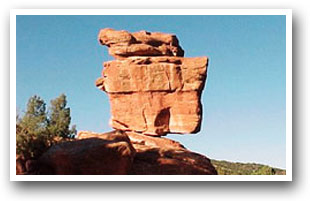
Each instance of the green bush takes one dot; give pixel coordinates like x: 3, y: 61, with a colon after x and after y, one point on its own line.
x: 231, y: 168
x: 38, y: 129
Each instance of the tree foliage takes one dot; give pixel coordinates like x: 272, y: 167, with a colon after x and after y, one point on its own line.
x: 38, y: 129
x: 34, y: 121
x: 59, y: 118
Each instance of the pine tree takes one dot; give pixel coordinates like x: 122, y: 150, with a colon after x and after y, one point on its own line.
x: 59, y: 117
x: 37, y: 130
x: 35, y: 120
x: 31, y: 133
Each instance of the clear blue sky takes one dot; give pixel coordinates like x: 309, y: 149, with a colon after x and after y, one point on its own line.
x: 244, y: 97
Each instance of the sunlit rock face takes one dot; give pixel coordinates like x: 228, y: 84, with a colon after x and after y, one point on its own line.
x: 143, y: 43
x: 152, y: 88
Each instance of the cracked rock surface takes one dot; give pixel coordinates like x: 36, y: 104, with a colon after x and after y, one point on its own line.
x: 152, y: 88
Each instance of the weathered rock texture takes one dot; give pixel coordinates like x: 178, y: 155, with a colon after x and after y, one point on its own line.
x: 143, y: 43
x: 117, y: 153
x: 162, y: 156
x: 152, y: 88
x: 110, y: 153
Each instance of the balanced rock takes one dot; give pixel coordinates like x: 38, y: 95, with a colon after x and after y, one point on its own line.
x: 150, y: 93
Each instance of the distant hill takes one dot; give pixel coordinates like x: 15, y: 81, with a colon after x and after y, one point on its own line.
x: 236, y: 168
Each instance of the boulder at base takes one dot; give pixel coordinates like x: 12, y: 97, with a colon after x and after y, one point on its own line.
x: 110, y: 153
x: 117, y: 153
x: 162, y: 156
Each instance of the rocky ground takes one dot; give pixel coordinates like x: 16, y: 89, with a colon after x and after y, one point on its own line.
x: 117, y: 152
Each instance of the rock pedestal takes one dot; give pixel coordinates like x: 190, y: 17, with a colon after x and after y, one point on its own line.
x: 117, y: 153
x: 152, y: 88
x: 162, y: 156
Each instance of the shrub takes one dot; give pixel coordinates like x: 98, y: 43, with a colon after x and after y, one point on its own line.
x: 38, y: 129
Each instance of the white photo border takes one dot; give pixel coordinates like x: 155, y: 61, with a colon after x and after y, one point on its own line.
x: 289, y: 165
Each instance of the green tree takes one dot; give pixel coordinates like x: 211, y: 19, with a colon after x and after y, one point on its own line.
x: 31, y: 133
x: 37, y: 130
x: 59, y: 117
x: 35, y: 120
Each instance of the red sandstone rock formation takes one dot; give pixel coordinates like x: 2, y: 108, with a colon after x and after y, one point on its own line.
x: 162, y: 156
x: 143, y: 43
x: 117, y: 153
x: 111, y: 153
x: 152, y: 88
